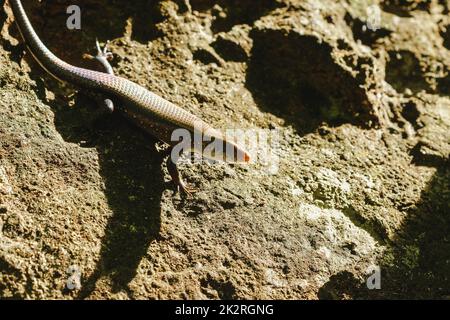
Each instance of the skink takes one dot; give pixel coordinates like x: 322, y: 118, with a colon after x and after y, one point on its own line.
x: 142, y: 107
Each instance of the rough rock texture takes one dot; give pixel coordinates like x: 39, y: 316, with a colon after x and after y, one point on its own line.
x: 361, y: 180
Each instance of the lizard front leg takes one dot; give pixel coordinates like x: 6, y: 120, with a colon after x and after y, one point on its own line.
x: 103, y: 57
x: 175, y: 174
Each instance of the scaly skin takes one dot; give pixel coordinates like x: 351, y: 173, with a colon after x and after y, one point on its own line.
x: 144, y: 108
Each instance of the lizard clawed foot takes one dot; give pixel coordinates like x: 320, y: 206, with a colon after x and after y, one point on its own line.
x: 105, y: 52
x: 185, y: 188
x: 180, y: 185
x: 103, y: 56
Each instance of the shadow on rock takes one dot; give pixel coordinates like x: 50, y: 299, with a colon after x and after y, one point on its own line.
x: 228, y: 13
x: 416, y: 264
x: 295, y: 77
x: 131, y: 169
x: 129, y: 164
x: 99, y: 19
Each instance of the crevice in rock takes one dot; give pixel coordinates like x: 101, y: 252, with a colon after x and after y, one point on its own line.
x: 372, y: 227
x: 229, y: 50
x: 445, y: 34
x: 443, y: 85
x: 403, y: 8
x: 342, y: 285
x: 228, y: 13
x: 207, y: 56
x: 403, y: 71
x: 225, y: 289
x: 445, y: 5
x: 411, y: 113
x: 363, y: 34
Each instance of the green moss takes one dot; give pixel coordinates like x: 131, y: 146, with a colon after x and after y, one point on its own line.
x: 411, y: 256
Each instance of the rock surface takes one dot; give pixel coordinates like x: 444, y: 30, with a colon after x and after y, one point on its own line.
x: 360, y: 180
